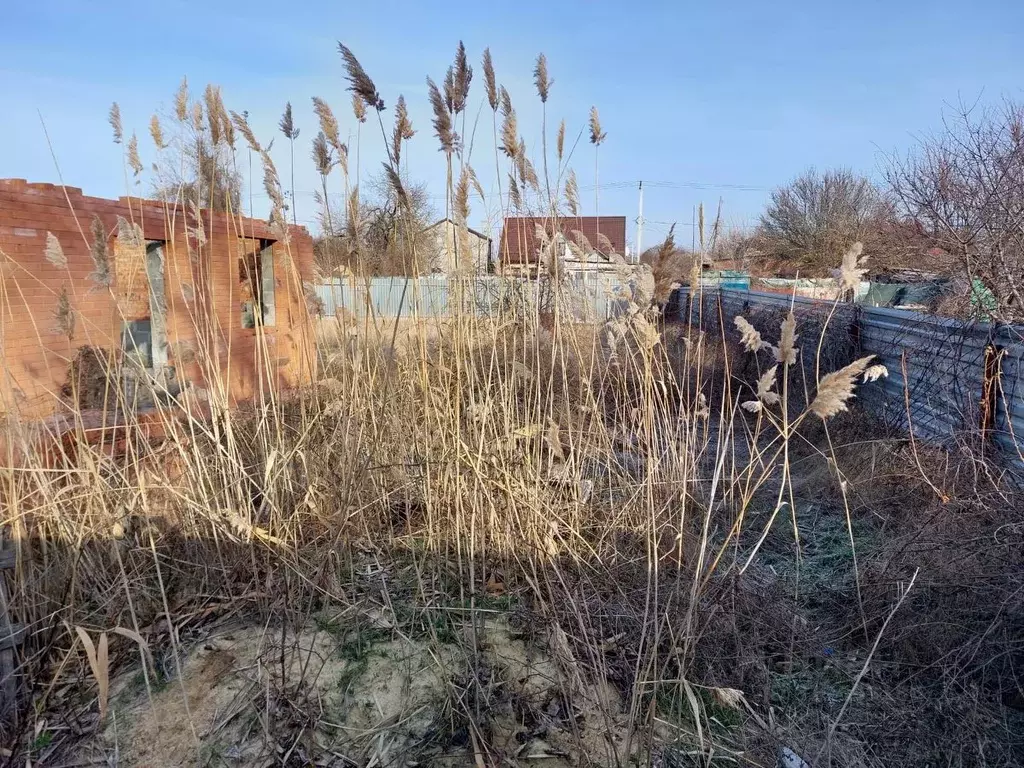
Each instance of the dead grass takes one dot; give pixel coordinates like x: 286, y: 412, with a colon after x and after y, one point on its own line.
x: 501, y: 540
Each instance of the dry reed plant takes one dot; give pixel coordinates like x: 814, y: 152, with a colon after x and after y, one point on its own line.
x: 554, y: 539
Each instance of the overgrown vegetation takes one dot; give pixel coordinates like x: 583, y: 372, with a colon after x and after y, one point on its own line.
x: 492, y: 540
x: 965, y: 188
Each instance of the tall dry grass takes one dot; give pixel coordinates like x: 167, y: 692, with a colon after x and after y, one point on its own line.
x: 641, y: 489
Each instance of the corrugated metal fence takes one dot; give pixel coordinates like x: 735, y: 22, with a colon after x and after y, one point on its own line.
x: 589, y: 296
x: 948, y: 380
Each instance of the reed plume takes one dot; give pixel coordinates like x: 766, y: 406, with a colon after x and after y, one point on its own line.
x: 360, y: 82
x: 442, y: 118
x: 133, y: 155
x: 197, y: 117
x: 64, y: 315
x: 541, y: 79
x: 667, y: 248
x: 560, y: 140
x: 448, y: 89
x: 597, y: 136
x: 403, y: 129
x: 157, y: 132
x: 242, y: 124
x: 463, y: 76
x: 287, y: 126
x: 765, y: 385
x: 328, y: 122
x: 226, y: 127
x: 527, y: 173
x: 358, y: 108
x: 342, y: 159
x: 836, y: 389
x: 876, y: 372
x: 852, y: 269
x: 543, y: 83
x: 395, y: 182
x: 54, y: 252
x: 322, y: 154
x: 785, y: 353
x: 100, y: 255
x: 115, y: 122
x: 572, y: 193
x: 352, y: 222
x: 515, y: 198
x: 181, y: 101
x: 461, y: 203
x: 287, y: 123
x: 213, y: 108
x: 509, y: 127
x: 490, y: 83
x: 750, y: 337
x: 271, y: 181
x: 582, y: 242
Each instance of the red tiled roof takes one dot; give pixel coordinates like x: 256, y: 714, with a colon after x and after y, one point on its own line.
x: 519, y: 235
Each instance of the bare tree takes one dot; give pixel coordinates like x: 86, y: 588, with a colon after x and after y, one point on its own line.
x: 386, y: 231
x: 813, y: 220
x: 964, y: 187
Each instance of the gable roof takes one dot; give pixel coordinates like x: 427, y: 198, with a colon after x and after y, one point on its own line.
x: 471, y: 231
x: 519, y: 235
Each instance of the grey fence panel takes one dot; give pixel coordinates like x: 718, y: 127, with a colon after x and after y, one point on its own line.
x: 586, y: 297
x: 936, y: 370
x: 937, y: 366
x: 332, y: 295
x: 766, y: 311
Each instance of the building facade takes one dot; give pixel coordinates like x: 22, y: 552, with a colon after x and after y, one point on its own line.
x: 212, y: 303
x: 448, y: 255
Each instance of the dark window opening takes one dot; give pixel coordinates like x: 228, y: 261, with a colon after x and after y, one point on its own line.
x: 137, y: 342
x: 144, y: 340
x: 256, y: 275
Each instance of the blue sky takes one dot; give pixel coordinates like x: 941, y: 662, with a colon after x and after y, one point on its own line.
x: 709, y: 100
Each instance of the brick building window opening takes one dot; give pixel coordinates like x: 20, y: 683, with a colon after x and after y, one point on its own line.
x: 144, y: 339
x: 256, y: 275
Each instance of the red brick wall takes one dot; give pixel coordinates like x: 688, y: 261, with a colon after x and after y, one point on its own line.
x: 202, y: 291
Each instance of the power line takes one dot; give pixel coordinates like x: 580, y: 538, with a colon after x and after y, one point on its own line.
x: 612, y: 185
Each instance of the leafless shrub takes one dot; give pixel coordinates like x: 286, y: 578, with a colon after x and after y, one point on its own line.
x: 965, y: 188
x: 816, y: 218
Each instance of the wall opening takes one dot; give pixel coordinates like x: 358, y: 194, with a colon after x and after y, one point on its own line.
x: 144, y: 333
x: 256, y: 275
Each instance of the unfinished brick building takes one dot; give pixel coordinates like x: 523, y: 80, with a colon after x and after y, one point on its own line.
x: 211, y: 304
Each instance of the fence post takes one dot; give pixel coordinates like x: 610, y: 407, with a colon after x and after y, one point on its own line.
x: 989, y: 389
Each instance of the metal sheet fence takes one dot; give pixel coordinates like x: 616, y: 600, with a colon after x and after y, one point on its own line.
x: 589, y: 297
x: 948, y: 380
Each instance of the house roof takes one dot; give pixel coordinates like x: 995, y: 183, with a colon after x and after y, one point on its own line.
x: 519, y: 235
x: 472, y: 231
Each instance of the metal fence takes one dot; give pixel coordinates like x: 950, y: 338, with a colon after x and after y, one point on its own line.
x: 948, y: 380
x: 588, y: 296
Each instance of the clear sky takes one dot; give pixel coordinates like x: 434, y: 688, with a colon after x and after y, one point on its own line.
x: 702, y: 100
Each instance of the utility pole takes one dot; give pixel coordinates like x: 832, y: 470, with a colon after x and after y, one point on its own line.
x: 640, y: 227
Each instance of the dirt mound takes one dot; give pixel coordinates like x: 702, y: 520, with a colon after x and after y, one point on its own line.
x: 372, y: 697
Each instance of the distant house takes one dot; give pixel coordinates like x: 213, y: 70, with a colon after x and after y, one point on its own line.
x: 586, y: 243
x: 444, y: 255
